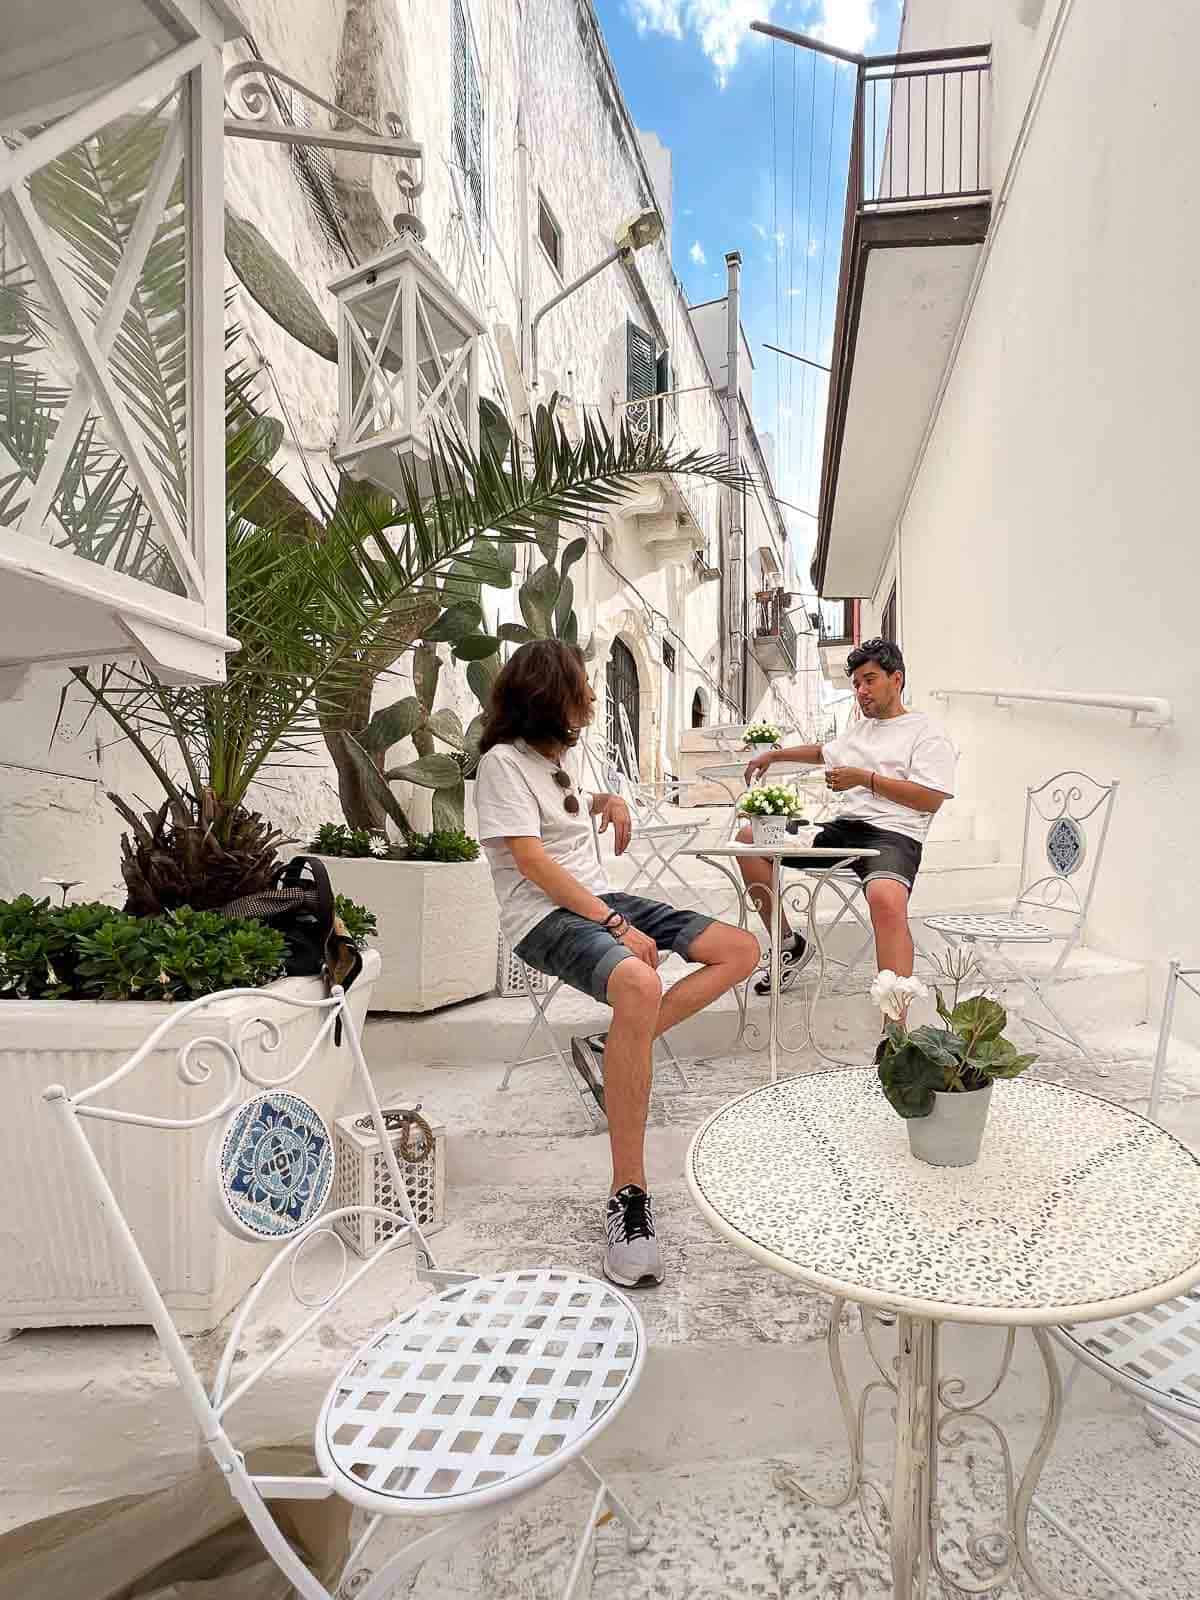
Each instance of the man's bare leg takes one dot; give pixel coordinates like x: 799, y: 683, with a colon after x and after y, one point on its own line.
x: 635, y: 995
x: 729, y: 956
x: 888, y: 903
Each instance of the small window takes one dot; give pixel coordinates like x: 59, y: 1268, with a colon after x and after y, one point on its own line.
x: 467, y: 126
x: 668, y: 655
x: 550, y: 234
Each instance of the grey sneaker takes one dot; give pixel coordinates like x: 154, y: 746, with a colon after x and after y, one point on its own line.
x: 587, y: 1053
x: 632, y: 1256
x: 793, y: 958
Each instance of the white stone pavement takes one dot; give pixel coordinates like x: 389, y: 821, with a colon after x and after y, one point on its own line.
x: 736, y: 1378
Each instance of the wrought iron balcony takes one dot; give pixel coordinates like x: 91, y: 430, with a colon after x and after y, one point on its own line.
x: 919, y: 177
x: 774, y: 637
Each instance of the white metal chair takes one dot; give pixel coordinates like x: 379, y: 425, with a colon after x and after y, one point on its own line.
x: 656, y: 840
x: 1154, y: 1355
x: 459, y: 1408
x: 1057, y: 882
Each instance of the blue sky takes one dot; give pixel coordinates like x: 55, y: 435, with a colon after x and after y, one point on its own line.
x: 758, y: 132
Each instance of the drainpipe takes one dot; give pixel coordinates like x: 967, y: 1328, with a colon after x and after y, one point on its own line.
x: 736, y: 562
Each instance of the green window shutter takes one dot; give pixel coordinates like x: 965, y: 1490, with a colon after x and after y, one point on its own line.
x: 639, y: 363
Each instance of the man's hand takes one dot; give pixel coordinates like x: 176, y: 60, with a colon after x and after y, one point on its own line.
x: 842, y: 778
x: 614, y: 810
x: 643, y: 947
x: 757, y: 766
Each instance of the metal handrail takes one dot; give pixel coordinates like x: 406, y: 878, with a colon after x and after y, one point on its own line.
x: 1155, y: 710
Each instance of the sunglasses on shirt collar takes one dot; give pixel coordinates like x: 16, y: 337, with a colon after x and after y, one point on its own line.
x: 570, y: 801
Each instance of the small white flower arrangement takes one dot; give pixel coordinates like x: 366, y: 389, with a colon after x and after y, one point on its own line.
x: 763, y: 733
x: 379, y: 846
x: 771, y: 800
x: 894, y: 995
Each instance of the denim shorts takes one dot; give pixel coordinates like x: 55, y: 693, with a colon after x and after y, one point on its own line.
x: 899, y: 856
x: 583, y: 955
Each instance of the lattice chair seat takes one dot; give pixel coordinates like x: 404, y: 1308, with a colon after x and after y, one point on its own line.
x: 486, y: 1389
x: 1155, y: 1352
x: 1001, y: 929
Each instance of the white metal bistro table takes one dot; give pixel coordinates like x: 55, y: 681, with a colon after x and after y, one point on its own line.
x: 813, y: 877
x: 1077, y: 1210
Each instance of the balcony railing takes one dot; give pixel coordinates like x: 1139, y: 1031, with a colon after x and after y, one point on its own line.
x: 774, y: 636
x: 678, y: 420
x: 922, y: 131
x: 837, y: 622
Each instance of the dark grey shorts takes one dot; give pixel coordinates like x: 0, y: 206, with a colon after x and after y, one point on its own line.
x: 569, y: 947
x: 899, y: 856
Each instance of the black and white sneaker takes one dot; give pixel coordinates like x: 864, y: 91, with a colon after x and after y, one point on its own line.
x: 587, y: 1053
x: 793, y: 958
x: 632, y: 1256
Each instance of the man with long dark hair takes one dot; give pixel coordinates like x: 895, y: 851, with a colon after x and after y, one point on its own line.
x: 896, y: 770
x: 561, y: 917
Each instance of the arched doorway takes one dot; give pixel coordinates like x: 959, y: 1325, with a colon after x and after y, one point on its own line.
x: 699, y: 709
x: 624, y: 693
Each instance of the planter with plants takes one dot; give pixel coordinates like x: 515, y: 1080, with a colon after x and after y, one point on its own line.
x: 940, y: 1079
x: 770, y: 807
x: 762, y: 736
x: 80, y: 988
x: 431, y: 895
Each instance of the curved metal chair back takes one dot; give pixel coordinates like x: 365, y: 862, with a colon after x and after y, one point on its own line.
x: 1066, y: 828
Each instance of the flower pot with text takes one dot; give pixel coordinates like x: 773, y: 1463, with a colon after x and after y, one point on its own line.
x: 769, y: 831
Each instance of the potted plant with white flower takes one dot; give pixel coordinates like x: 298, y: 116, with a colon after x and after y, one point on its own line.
x: 770, y: 807
x: 760, y: 736
x: 940, y: 1079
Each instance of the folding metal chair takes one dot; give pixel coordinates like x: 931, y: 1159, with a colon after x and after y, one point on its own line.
x: 456, y: 1410
x: 1152, y: 1356
x: 656, y: 842
x: 1058, y: 880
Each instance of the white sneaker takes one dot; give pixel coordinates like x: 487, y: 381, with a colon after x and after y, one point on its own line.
x: 632, y: 1256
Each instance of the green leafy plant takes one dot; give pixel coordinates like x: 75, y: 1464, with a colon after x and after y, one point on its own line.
x: 358, y: 922
x: 771, y: 800
x: 336, y: 839
x: 95, y: 952
x: 966, y: 1054
x: 446, y: 844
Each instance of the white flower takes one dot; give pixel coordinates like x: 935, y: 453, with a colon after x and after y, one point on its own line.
x: 894, y: 995
x: 378, y: 845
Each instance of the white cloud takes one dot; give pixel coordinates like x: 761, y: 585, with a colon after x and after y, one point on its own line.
x: 759, y: 229
x: 697, y: 254
x: 812, y: 247
x: 851, y: 24
x: 720, y: 26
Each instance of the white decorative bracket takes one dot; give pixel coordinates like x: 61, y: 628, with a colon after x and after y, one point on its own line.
x: 255, y: 114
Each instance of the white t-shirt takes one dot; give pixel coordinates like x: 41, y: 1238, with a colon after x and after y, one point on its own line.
x: 909, y: 747
x: 517, y: 798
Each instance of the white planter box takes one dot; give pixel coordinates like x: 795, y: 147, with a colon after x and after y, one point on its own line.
x: 438, y: 926
x: 58, y: 1265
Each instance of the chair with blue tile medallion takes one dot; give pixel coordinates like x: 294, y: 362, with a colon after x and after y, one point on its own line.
x: 1059, y: 867
x: 453, y: 1412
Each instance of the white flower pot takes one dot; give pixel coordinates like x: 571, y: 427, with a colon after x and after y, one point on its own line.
x: 438, y: 926
x: 59, y: 1266
x: 952, y: 1134
x: 770, y: 830
x: 759, y: 747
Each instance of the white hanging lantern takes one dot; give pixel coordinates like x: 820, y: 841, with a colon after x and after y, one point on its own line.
x: 408, y: 364
x: 112, y: 518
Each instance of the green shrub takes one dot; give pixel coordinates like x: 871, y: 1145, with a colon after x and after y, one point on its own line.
x: 336, y: 839
x: 358, y: 922
x: 94, y: 952
x: 450, y: 844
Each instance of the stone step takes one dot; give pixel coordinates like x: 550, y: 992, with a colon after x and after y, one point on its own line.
x: 1097, y: 991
